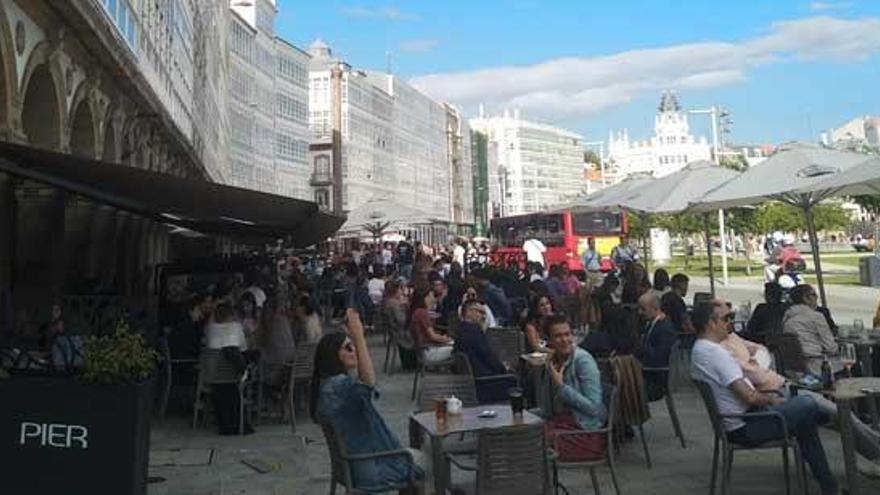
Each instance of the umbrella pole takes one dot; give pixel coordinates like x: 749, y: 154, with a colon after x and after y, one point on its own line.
x: 709, y: 253
x: 814, y: 247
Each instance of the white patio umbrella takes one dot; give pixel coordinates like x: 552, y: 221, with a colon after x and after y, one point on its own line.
x: 795, y: 175
x: 675, y: 192
x: 611, y: 197
x: 381, y: 213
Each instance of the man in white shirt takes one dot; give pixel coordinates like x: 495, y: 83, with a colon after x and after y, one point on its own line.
x: 535, y: 250
x: 734, y: 393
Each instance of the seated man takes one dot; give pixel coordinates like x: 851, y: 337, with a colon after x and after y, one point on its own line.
x: 766, y: 319
x: 735, y: 394
x: 471, y: 341
x: 657, y: 339
x: 673, y: 303
x: 766, y: 380
x: 812, y: 330
x: 577, y: 394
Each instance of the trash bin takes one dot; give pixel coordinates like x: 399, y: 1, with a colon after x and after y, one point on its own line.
x: 869, y: 271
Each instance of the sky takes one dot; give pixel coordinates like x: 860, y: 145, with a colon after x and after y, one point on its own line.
x: 785, y: 69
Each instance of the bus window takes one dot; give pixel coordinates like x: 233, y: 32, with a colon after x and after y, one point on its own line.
x: 596, y: 223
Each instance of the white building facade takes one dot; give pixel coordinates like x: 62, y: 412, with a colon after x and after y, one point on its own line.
x: 374, y: 135
x: 535, y: 167
x: 669, y: 150
x: 268, y: 105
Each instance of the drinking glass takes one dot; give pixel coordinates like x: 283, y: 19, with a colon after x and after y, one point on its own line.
x: 517, y: 400
x: 440, y: 409
x: 848, y: 357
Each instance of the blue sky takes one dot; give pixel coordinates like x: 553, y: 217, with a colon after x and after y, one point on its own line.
x: 783, y: 68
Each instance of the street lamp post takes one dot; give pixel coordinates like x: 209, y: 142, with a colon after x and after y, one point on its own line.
x: 714, y: 113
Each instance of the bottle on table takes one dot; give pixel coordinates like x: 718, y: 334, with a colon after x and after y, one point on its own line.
x: 827, y: 375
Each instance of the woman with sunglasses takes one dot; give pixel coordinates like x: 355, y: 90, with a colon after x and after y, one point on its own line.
x: 471, y: 295
x: 345, y: 402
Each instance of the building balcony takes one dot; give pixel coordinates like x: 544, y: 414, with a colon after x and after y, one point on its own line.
x: 320, y: 179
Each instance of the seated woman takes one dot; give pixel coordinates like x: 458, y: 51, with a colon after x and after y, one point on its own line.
x: 276, y: 342
x: 577, y: 394
x: 226, y: 334
x: 540, y: 307
x: 346, y: 403
x: 471, y: 295
x: 394, y: 306
x: 307, y: 321
x: 812, y: 330
x: 436, y: 348
x: 250, y: 317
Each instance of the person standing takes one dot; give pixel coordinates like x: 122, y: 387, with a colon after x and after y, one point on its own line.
x: 624, y: 252
x: 405, y: 258
x: 591, y: 261
x: 534, y: 249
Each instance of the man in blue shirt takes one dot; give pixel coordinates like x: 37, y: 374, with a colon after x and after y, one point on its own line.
x: 471, y: 341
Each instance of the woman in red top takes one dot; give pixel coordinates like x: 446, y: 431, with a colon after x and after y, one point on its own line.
x: 435, y: 347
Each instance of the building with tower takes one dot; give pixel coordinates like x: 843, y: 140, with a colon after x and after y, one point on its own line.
x: 669, y: 150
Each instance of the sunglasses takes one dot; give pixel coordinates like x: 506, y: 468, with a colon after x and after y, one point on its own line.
x: 728, y: 317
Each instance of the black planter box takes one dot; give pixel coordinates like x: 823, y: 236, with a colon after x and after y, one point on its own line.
x: 60, y: 435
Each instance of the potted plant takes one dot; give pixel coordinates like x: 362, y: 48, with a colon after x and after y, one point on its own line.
x: 85, y: 433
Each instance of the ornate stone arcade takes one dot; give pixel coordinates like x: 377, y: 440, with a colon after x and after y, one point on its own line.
x: 57, y: 92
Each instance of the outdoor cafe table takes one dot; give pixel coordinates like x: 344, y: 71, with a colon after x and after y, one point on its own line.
x: 467, y: 421
x: 847, y: 390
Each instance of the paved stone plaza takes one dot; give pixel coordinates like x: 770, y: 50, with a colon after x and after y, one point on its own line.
x: 211, y: 464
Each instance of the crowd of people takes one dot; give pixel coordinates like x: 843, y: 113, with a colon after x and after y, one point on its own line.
x: 627, y: 313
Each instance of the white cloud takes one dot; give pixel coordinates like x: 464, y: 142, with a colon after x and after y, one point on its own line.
x: 826, y: 6
x: 419, y: 45
x: 566, y: 88
x: 390, y: 13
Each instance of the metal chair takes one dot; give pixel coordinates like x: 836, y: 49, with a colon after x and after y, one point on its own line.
x: 610, y: 393
x: 301, y: 370
x: 444, y: 385
x: 215, y: 369
x: 671, y: 371
x: 461, y: 365
x: 634, y: 410
x: 728, y: 448
x: 422, y: 367
x: 789, y: 354
x: 508, y: 344
x: 510, y: 461
x: 341, y: 465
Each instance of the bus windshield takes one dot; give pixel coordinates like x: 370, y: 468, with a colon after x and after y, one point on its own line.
x: 596, y: 223
x: 513, y: 231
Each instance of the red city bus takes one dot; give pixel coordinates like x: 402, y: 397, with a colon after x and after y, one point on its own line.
x: 564, y: 232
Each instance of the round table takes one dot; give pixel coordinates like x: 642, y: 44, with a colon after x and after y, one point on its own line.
x: 847, y: 390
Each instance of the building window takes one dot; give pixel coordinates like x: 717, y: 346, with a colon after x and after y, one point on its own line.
x: 322, y: 197
x: 322, y: 166
x: 124, y: 17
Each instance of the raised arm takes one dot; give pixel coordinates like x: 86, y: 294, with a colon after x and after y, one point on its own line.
x: 355, y: 330
x: 587, y: 397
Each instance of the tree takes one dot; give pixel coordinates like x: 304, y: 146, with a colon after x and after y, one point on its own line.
x: 735, y: 162
x: 592, y: 158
